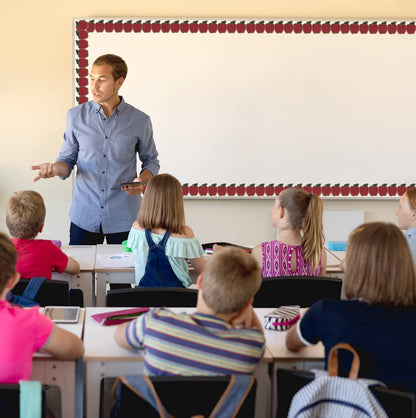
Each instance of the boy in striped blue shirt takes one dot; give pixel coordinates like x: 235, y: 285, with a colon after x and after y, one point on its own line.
x: 224, y: 335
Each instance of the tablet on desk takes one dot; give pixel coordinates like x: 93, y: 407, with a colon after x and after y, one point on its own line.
x: 62, y: 314
x: 130, y: 183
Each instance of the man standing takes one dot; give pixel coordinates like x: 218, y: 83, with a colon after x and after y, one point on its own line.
x: 103, y: 138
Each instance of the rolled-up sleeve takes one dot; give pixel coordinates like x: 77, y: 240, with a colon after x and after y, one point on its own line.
x: 148, y: 154
x: 70, y: 146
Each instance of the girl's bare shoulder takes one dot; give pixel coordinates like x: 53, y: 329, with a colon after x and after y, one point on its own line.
x: 137, y: 226
x: 187, y: 233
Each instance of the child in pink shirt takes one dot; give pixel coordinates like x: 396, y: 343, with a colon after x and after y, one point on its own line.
x: 24, y: 331
x: 25, y: 217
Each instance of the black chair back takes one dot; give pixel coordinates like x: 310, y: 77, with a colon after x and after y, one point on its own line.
x: 153, y: 297
x: 10, y: 401
x: 394, y: 402
x: 51, y: 293
x: 182, y: 396
x: 296, y: 290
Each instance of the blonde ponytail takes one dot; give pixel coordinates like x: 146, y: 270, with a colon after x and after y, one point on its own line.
x: 313, y: 232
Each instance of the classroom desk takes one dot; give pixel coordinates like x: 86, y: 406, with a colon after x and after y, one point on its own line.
x: 333, y: 268
x: 104, y: 358
x: 305, y: 359
x: 65, y: 374
x: 85, y: 279
x: 105, y: 275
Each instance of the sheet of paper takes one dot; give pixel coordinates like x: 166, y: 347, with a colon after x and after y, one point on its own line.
x: 119, y: 260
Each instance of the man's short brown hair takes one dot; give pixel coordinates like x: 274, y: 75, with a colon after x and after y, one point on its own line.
x: 25, y: 214
x: 8, y: 259
x: 230, y: 279
x: 117, y: 64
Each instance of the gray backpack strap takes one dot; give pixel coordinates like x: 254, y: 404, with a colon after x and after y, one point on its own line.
x: 142, y: 386
x: 227, y: 406
x: 233, y: 397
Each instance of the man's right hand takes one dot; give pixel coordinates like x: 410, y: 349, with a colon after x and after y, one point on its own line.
x: 46, y: 170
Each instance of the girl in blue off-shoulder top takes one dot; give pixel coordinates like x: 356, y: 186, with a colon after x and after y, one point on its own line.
x: 161, y: 242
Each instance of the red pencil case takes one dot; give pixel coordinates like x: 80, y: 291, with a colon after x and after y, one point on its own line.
x: 118, y: 317
x: 282, y: 318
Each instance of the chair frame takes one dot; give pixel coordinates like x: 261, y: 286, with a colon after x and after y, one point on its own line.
x: 296, y: 290
x: 10, y: 399
x: 52, y: 292
x: 197, y: 391
x: 152, y: 297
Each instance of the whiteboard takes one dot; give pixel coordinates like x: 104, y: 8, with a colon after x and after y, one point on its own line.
x: 339, y: 224
x: 254, y: 108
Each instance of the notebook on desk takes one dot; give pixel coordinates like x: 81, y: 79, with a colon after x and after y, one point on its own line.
x: 119, y: 260
x: 209, y: 246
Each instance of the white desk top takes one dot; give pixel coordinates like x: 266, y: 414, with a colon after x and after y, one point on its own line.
x: 334, y: 260
x: 76, y: 329
x: 100, y: 345
x: 275, y: 342
x: 84, y: 254
x: 110, y: 249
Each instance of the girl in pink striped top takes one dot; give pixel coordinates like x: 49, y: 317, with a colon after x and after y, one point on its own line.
x: 299, y: 251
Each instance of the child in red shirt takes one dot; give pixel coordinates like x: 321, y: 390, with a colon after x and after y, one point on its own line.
x: 25, y: 217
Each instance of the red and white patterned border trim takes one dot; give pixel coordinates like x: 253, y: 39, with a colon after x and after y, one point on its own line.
x: 272, y: 190
x: 84, y: 27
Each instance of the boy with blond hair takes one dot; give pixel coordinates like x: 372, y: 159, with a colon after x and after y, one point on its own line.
x: 25, y: 217
x: 224, y: 335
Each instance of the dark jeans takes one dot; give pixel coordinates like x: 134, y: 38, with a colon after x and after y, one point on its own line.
x: 79, y: 236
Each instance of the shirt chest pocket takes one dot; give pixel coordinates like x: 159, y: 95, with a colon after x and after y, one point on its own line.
x: 123, y: 148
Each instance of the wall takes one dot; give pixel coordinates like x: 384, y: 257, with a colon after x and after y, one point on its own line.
x: 36, y: 74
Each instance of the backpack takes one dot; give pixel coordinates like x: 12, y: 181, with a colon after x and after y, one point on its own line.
x: 228, y: 405
x: 334, y: 396
x: 26, y: 299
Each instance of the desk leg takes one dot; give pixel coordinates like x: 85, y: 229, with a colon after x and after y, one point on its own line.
x: 101, y: 284
x: 263, y: 393
x: 113, y: 277
x: 84, y: 281
x: 95, y: 371
x: 62, y: 374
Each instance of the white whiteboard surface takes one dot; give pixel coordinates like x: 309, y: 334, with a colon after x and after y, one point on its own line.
x: 339, y: 224
x: 244, y: 108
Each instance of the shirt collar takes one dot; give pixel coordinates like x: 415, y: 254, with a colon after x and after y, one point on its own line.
x: 411, y: 231
x: 212, y: 319
x: 117, y: 110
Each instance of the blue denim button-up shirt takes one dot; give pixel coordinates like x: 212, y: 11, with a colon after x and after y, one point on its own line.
x: 105, y: 152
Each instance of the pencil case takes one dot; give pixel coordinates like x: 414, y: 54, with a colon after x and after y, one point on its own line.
x: 118, y: 317
x: 337, y: 245
x: 282, y: 318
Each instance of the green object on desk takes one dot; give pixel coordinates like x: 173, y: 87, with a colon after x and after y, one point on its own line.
x: 126, y: 249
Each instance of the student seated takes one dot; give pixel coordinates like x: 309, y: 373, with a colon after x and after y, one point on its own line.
x: 25, y: 331
x: 224, y: 335
x: 406, y: 218
x: 25, y: 217
x: 379, y: 316
x: 299, y: 251
x: 161, y: 242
